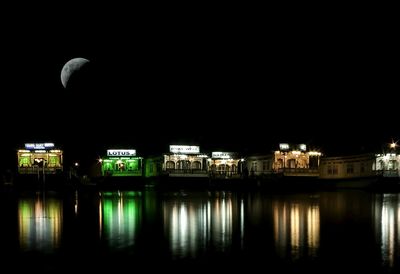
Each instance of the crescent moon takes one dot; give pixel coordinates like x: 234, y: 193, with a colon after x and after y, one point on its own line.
x: 70, y: 68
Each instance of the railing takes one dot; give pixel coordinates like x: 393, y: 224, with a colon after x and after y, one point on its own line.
x: 186, y: 171
x: 225, y: 175
x: 36, y: 170
x: 299, y: 171
x: 123, y: 173
x: 390, y: 173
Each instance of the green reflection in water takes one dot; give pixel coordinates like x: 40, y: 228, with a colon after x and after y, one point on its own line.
x: 120, y: 218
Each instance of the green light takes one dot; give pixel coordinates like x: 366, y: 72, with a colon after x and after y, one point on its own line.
x: 121, y: 218
x: 122, y: 166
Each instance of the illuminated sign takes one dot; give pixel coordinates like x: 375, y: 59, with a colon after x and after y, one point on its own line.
x: 121, y: 152
x: 222, y: 155
x: 302, y: 147
x: 184, y: 149
x: 39, y: 145
x: 283, y: 146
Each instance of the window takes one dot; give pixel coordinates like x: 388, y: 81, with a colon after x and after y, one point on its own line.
x: 392, y: 165
x: 254, y: 166
x: 333, y: 169
x: 196, y: 165
x: 183, y: 164
x: 362, y: 168
x: 279, y: 164
x: 170, y: 165
x: 292, y: 163
x: 350, y: 168
x: 234, y: 169
x: 222, y: 168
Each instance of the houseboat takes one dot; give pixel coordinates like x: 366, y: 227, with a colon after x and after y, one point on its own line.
x: 185, y: 162
x: 39, y: 163
x: 121, y: 166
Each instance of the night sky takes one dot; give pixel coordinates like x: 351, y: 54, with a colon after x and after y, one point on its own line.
x: 223, y: 81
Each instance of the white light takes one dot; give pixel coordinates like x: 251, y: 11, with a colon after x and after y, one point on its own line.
x: 121, y: 152
x: 38, y: 145
x: 222, y: 155
x: 283, y: 146
x: 184, y: 149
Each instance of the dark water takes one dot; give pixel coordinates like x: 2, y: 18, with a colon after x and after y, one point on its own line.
x: 198, y: 230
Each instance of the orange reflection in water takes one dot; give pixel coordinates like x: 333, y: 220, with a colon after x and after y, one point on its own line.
x: 296, y: 228
x: 40, y: 223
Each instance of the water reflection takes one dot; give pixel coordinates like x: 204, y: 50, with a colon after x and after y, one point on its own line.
x: 40, y: 223
x: 253, y: 228
x: 296, y: 228
x: 387, y: 226
x: 193, y: 224
x: 120, y: 218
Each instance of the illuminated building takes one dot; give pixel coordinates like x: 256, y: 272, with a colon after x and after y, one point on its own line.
x: 387, y: 163
x: 185, y: 161
x: 347, y: 167
x: 40, y: 157
x: 289, y: 160
x: 121, y: 162
x: 224, y: 164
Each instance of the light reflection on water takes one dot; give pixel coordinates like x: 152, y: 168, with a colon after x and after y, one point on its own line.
x: 193, y: 224
x: 337, y: 227
x: 119, y: 218
x: 296, y: 227
x: 387, y: 226
x: 40, y: 223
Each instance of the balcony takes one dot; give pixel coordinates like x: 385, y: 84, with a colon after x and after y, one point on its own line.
x: 186, y: 173
x: 36, y: 170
